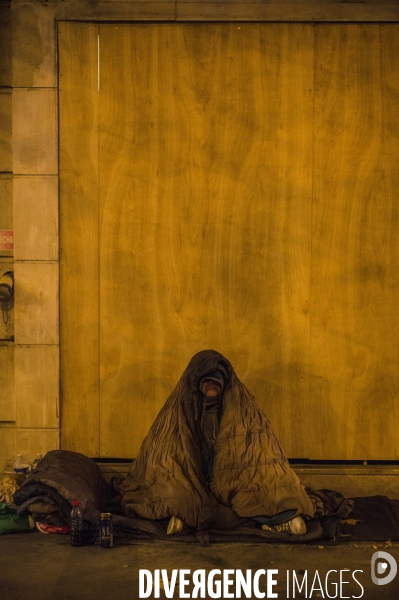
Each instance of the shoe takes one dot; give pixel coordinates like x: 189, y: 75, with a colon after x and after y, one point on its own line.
x: 295, y: 526
x: 174, y: 526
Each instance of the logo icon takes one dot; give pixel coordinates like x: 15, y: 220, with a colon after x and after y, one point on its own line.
x: 380, y: 561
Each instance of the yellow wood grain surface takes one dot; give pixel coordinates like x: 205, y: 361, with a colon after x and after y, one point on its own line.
x: 354, y: 366
x: 227, y: 10
x: 291, y: 11
x: 245, y: 203
x: 204, y: 212
x: 79, y: 276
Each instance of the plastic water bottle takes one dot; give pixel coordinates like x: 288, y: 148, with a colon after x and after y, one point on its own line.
x: 21, y: 468
x: 76, y: 524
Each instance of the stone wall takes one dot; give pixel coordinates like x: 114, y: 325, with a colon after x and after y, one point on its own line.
x: 29, y: 207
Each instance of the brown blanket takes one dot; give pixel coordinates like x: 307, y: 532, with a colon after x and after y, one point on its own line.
x: 247, y: 476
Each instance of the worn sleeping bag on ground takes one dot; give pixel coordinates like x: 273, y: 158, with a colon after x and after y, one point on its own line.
x: 63, y: 476
x: 218, y: 471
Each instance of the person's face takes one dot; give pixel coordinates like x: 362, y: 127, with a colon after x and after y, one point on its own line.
x: 210, y: 388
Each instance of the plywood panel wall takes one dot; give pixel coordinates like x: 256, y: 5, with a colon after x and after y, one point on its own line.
x: 79, y: 271
x: 354, y: 327
x: 204, y: 212
x: 245, y: 203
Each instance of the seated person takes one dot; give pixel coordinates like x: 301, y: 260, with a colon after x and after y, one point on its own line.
x: 212, y: 461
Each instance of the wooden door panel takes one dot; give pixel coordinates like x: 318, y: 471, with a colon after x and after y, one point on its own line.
x: 354, y: 240
x: 205, y: 214
x: 79, y: 275
x: 230, y: 186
